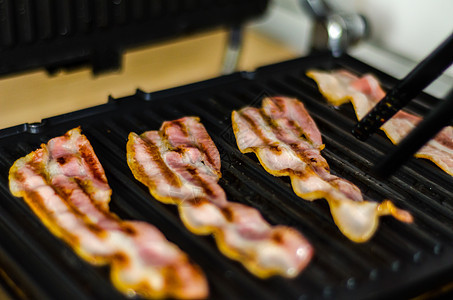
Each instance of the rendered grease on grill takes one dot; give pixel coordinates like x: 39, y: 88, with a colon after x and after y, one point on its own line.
x: 65, y: 185
x: 180, y: 165
x: 341, y: 86
x: 287, y: 143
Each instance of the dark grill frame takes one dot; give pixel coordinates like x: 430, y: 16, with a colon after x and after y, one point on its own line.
x: 67, y: 34
x: 400, y: 261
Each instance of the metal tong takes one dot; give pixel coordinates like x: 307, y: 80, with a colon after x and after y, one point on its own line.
x: 400, y: 95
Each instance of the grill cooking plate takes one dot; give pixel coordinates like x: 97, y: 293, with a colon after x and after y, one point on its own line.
x: 400, y: 260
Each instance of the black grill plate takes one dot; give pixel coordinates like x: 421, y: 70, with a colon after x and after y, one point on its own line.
x: 400, y: 261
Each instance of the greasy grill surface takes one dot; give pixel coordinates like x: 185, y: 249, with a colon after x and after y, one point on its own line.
x: 400, y: 260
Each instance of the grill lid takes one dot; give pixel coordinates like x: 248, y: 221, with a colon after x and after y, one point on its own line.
x: 400, y: 260
x: 66, y: 34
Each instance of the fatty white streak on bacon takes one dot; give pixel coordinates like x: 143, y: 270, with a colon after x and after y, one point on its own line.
x: 65, y: 185
x: 180, y: 164
x: 287, y: 143
x: 364, y: 92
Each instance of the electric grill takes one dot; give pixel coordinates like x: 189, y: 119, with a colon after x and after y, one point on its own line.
x: 401, y: 260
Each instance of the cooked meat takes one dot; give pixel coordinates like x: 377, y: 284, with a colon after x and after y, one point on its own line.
x: 181, y: 165
x: 287, y: 143
x: 364, y: 92
x: 65, y: 185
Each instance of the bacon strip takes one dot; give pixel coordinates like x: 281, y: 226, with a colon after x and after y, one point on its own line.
x: 65, y: 185
x: 287, y: 143
x: 364, y: 92
x: 181, y: 165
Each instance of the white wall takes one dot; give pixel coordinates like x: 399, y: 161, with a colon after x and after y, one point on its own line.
x: 412, y: 28
x: 403, y: 32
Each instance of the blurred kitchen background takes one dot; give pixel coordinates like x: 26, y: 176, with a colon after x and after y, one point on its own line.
x: 400, y: 34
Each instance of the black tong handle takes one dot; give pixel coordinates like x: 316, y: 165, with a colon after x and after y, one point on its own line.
x: 438, y: 118
x: 414, y: 82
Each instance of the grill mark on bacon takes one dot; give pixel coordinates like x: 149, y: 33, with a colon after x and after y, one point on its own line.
x: 36, y: 199
x: 299, y: 130
x: 166, y: 126
x: 277, y: 130
x: 191, y: 142
x: 96, y: 229
x: 36, y: 203
x: 38, y: 168
x: 128, y: 229
x: 269, y: 122
x: 40, y: 209
x: 105, y: 214
x: 66, y: 194
x: 266, y: 119
x: 67, y: 189
x: 182, y: 128
x: 197, y: 201
x: 309, y: 171
x: 277, y: 237
x: 201, y: 142
x: 444, y: 137
x: 227, y: 213
x: 204, y: 150
x: 255, y: 128
x: 292, y: 113
x: 107, y: 239
x: 120, y: 258
x: 152, y: 151
x: 279, y: 105
x: 239, y: 231
x: 200, y: 182
x: 279, y: 133
x: 92, y: 162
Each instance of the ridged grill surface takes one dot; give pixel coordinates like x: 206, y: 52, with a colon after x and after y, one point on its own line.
x: 401, y: 260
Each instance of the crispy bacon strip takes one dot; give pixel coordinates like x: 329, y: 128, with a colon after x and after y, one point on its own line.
x: 180, y: 164
x: 65, y: 185
x: 287, y: 143
x: 364, y: 92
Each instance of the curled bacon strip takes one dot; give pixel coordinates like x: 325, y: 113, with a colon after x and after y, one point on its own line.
x: 181, y: 165
x: 287, y: 143
x: 364, y: 92
x: 65, y: 185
